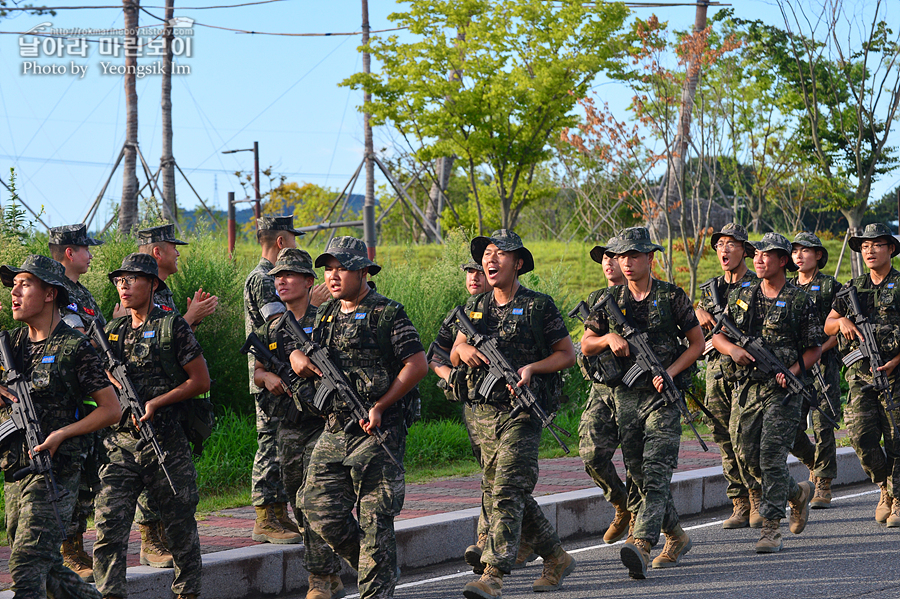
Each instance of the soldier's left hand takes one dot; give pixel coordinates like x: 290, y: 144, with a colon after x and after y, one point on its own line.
x: 149, y: 411
x: 781, y: 380
x: 374, y: 420
x: 658, y: 383
x: 8, y: 395
x: 889, y: 367
x: 51, y: 444
x: 525, y: 373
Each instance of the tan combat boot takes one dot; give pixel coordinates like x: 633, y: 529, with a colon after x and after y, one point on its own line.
x: 619, y: 526
x: 337, y: 586
x: 526, y: 554
x: 800, y: 507
x: 636, y: 557
x: 893, y: 521
x: 284, y: 516
x: 822, y: 498
x: 557, y: 566
x: 489, y: 586
x: 154, y: 552
x: 883, y: 509
x: 770, y: 541
x: 76, y: 559
x: 630, y: 538
x: 740, y: 517
x: 473, y: 553
x: 268, y: 529
x: 756, y: 520
x: 677, y: 544
x: 320, y: 587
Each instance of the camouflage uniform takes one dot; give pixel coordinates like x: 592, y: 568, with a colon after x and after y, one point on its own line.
x: 349, y: 470
x: 35, y: 563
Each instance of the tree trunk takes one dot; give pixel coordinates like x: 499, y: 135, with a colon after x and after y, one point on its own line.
x: 167, y: 162
x: 369, y: 202
x: 854, y: 221
x: 128, y: 209
x: 442, y: 169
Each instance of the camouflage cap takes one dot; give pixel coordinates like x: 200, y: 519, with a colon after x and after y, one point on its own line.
x: 140, y: 264
x: 159, y: 234
x: 350, y: 252
x: 598, y: 251
x: 776, y: 242
x: 809, y: 240
x: 293, y: 260
x: 72, y: 235
x: 636, y: 239
x: 874, y: 231
x: 278, y: 223
x: 46, y: 269
x: 734, y: 231
x: 507, y: 241
x: 471, y: 265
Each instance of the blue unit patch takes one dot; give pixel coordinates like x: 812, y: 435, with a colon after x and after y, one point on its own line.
x: 780, y: 304
x: 815, y: 288
x: 890, y: 285
x: 307, y: 330
x: 359, y: 315
x: 73, y: 307
x: 746, y: 284
x: 517, y: 311
x: 48, y: 359
x: 148, y: 334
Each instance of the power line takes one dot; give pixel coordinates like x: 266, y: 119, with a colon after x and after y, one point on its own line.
x: 119, y: 7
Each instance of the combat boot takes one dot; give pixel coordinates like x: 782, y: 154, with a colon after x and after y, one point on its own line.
x: 154, y: 552
x: 323, y: 587
x: 822, y: 497
x: 883, y: 509
x: 770, y: 541
x: 740, y: 517
x: 619, y: 526
x: 756, y: 519
x: 893, y: 521
x: 268, y: 528
x: 557, y: 566
x: 337, y: 585
x: 526, y: 554
x: 473, y: 553
x: 284, y: 516
x: 489, y: 586
x: 678, y: 543
x: 630, y: 538
x: 636, y: 557
x: 76, y: 559
x: 800, y: 507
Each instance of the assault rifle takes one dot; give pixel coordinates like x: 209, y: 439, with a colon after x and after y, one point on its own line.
x: 868, y: 348
x: 129, y: 399
x: 816, y: 372
x: 25, y: 419
x: 254, y: 345
x: 334, y: 380
x: 646, y: 361
x: 766, y: 362
x: 581, y: 311
x: 500, y: 369
x: 436, y: 350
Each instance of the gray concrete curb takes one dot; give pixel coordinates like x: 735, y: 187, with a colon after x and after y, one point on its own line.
x: 270, y: 570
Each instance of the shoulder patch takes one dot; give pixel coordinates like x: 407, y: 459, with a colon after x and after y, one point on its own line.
x: 308, y: 330
x: 48, y: 359
x: 518, y: 311
x: 475, y: 315
x: 815, y: 287
x: 73, y: 307
x: 113, y: 337
x: 359, y: 315
x: 90, y: 312
x: 780, y: 304
x: 746, y: 284
x: 149, y: 334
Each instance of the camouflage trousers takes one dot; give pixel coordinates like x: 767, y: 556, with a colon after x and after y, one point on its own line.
x: 125, y: 473
x: 509, y: 472
x: 35, y: 563
x: 87, y: 488
x: 469, y: 420
x: 650, y: 451
x: 868, y: 423
x: 348, y: 471
x: 719, y: 395
x: 296, y: 442
x: 266, y: 486
x: 763, y: 432
x: 821, y: 457
x: 598, y: 439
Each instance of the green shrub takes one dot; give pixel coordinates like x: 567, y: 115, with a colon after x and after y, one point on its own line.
x: 437, y: 442
x: 228, y: 454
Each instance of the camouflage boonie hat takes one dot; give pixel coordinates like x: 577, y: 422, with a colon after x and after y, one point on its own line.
x: 598, y: 251
x: 636, y: 239
x: 506, y: 241
x: 471, y: 265
x: 72, y: 235
x: 350, y: 252
x: 777, y: 242
x: 293, y: 260
x: 138, y: 264
x: 809, y: 240
x: 737, y: 232
x: 277, y: 223
x: 159, y: 234
x: 46, y: 269
x: 874, y: 231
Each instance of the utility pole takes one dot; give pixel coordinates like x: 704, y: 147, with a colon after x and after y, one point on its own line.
x: 167, y: 162
x: 128, y: 209
x: 256, y: 208
x: 369, y: 204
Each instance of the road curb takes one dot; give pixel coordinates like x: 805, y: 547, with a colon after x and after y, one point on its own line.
x: 271, y: 570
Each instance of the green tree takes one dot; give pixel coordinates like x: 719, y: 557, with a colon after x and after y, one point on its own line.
x: 523, y: 63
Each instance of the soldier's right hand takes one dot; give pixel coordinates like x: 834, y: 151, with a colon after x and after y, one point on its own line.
x: 275, y: 385
x: 470, y: 355
x: 706, y: 319
x: 848, y: 329
x: 8, y: 395
x: 618, y: 345
x: 302, y: 365
x: 741, y: 356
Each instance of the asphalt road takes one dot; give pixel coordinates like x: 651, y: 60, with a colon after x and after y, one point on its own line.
x: 842, y: 553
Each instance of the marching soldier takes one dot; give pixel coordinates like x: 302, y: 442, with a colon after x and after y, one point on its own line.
x: 867, y: 418
x: 649, y: 445
x: 531, y: 333
x: 372, y: 340
x: 820, y: 457
x: 70, y: 245
x: 765, y: 416
x: 732, y: 248
x: 261, y: 304
x: 166, y: 366
x: 63, y: 369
